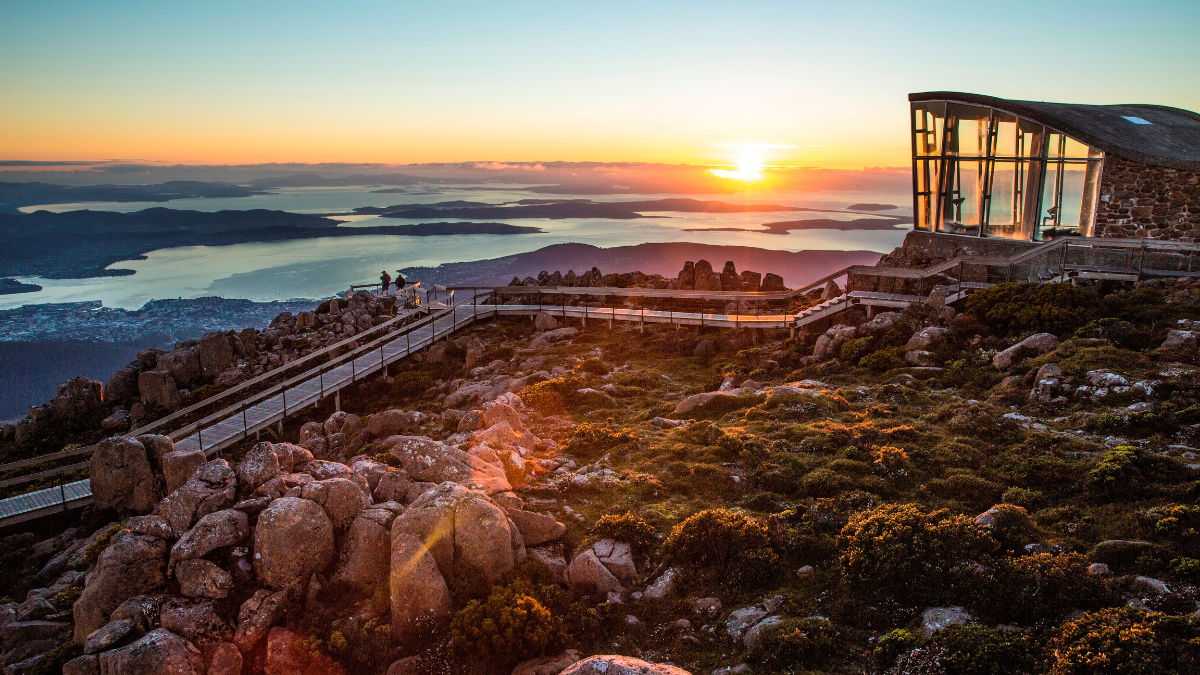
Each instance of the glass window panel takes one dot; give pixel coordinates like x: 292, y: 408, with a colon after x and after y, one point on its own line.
x: 963, y: 199
x: 1006, y: 136
x: 1030, y: 139
x: 968, y: 137
x: 1006, y: 203
x: 1076, y: 150
x: 928, y: 120
x: 927, y: 184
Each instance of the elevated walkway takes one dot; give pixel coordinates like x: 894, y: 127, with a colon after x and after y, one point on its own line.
x: 430, y: 315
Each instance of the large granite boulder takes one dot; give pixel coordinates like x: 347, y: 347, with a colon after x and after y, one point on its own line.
x: 159, y: 652
x: 215, y: 353
x: 420, y: 597
x: 211, y: 487
x: 179, y: 465
x: 366, y: 551
x: 289, y: 653
x: 293, y: 539
x: 256, y: 617
x: 215, y: 530
x: 132, y: 564
x: 259, y: 465
x: 1034, y: 345
x: 122, y: 478
x: 470, y: 537
x: 430, y: 461
x: 159, y: 388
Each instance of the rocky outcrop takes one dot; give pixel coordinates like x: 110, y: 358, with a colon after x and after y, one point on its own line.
x: 1034, y: 345
x: 211, y: 488
x: 132, y: 564
x: 420, y: 597
x: 279, y: 561
x: 121, y: 477
x: 157, y: 653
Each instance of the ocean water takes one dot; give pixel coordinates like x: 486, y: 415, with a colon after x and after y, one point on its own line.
x: 315, y: 268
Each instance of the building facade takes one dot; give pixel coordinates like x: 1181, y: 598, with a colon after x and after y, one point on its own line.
x: 1034, y: 171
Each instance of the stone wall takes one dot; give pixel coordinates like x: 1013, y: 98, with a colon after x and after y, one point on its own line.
x: 1140, y: 200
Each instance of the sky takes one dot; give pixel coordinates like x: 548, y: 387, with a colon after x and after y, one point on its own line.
x: 808, y: 83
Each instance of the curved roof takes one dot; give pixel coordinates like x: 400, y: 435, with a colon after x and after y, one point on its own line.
x: 1171, y: 139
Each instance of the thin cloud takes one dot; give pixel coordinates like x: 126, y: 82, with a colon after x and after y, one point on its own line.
x: 501, y: 166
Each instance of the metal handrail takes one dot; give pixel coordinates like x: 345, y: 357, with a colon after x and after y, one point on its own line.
x: 264, y: 377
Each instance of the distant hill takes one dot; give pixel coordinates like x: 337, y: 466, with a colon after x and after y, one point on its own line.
x: 666, y: 259
x: 15, y: 195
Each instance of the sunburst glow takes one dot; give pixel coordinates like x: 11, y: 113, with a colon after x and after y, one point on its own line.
x: 749, y: 168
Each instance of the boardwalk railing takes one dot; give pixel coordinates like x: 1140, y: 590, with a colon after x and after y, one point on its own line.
x: 434, y: 313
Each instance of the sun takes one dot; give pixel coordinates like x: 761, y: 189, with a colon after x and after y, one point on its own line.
x: 749, y: 168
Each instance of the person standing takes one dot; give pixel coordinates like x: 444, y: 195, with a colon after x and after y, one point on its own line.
x: 387, y: 282
x: 400, y: 282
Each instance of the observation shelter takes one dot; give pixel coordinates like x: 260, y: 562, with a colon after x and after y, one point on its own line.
x: 1029, y: 171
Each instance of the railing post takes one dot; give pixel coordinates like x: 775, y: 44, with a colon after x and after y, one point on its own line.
x: 199, y: 438
x: 284, y: 393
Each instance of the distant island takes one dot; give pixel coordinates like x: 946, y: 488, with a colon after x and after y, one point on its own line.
x: 15, y: 195
x: 563, y: 208
x: 871, y: 207
x: 12, y: 287
x: 784, y: 227
x: 82, y: 244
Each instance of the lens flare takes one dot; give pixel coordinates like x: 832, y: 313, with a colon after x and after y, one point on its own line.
x: 749, y: 168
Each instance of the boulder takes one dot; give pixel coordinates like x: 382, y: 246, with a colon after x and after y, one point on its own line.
x: 366, y: 551
x: 393, y: 486
x: 343, y: 423
x: 468, y: 535
x: 544, y: 322
x: 392, y: 422
x: 112, y: 634
x: 758, y: 629
x: 88, y: 664
x: 921, y: 359
x: 19, y: 632
x: 702, y: 272
x: 224, y: 659
x: 183, y: 364
x: 663, y: 585
x: 216, y: 355
x: 200, y: 578
x: 256, y: 617
x: 586, y: 573
x: 882, y: 322
x: 617, y: 557
x: 419, y: 594
x: 342, y: 499
x: 34, y: 608
x: 831, y: 341
x: 310, y: 430
x: 832, y: 290
x: 430, y: 461
x: 609, y: 664
x: 259, y: 465
x: 924, y: 338
x: 191, y: 618
x: 179, y: 465
x: 132, y: 564
x: 289, y: 653
x: 123, y: 384
x: 1034, y: 345
x: 369, y: 469
x: 213, y: 531
x: 695, y: 401
x: 934, y: 619
x: 159, y: 652
x: 211, y: 488
x: 772, y: 283
x: 121, y: 477
x: 742, y: 620
x: 159, y: 388
x: 536, y: 528
x: 552, y: 558
x: 1180, y: 338
x: 730, y: 281
x: 118, y: 421
x: 278, y: 561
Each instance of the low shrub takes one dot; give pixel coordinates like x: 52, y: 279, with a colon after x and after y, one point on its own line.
x: 1044, y: 586
x: 1126, y: 471
x: 510, y: 626
x: 590, y: 440
x: 882, y: 360
x: 807, y: 643
x: 593, y: 366
x: 824, y: 483
x: 891, y: 460
x: 627, y: 528
x: 1011, y: 526
x: 1124, y: 641
x: 730, y: 545
x: 900, y: 551
x: 978, y: 650
x: 854, y: 350
x: 1015, y: 308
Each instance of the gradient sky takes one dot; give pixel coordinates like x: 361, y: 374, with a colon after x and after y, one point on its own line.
x: 404, y: 82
